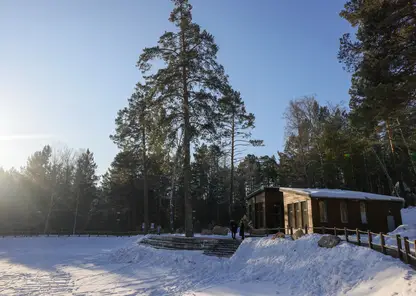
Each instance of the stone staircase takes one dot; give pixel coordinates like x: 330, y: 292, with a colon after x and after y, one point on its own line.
x: 220, y: 247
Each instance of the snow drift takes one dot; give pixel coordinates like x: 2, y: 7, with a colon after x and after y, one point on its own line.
x: 294, y: 267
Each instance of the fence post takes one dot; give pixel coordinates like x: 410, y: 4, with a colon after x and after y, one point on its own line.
x: 335, y: 231
x: 358, y: 236
x: 306, y: 229
x: 414, y: 245
x: 399, y: 245
x: 382, y: 242
x: 278, y: 229
x: 406, y: 249
x: 323, y: 229
x: 291, y: 230
x: 346, y: 234
x: 370, y: 239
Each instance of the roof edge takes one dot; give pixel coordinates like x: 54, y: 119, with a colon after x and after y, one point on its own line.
x: 259, y: 190
x: 294, y: 190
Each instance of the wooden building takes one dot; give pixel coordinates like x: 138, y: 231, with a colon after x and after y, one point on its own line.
x: 265, y: 208
x: 341, y: 208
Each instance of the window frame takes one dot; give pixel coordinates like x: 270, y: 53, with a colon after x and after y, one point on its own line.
x: 363, y: 214
x: 343, y: 208
x: 323, y: 211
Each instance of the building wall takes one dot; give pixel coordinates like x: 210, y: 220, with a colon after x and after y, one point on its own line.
x: 257, y: 203
x: 293, y: 198
x: 377, y: 212
x: 274, y: 208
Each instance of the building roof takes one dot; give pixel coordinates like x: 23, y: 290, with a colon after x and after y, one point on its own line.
x: 260, y: 190
x: 343, y: 194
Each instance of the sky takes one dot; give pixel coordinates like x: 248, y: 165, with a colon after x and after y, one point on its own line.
x: 68, y: 66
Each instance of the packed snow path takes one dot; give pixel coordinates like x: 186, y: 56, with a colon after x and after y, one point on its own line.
x: 120, y: 266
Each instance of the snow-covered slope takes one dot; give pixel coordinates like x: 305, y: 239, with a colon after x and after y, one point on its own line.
x: 121, y: 266
x: 282, y: 266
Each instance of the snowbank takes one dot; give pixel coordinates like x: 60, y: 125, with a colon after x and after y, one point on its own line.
x: 293, y: 267
x: 409, y: 216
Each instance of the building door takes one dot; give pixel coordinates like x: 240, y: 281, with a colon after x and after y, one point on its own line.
x: 259, y: 215
x: 391, y: 223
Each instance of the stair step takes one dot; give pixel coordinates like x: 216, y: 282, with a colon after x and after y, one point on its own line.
x: 219, y: 255
x: 211, y: 246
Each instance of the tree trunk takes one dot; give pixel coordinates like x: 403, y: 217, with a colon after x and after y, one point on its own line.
x: 232, y: 167
x: 396, y: 167
x: 383, y: 167
x: 186, y: 140
x: 407, y: 146
x: 49, y: 215
x: 145, y: 189
x: 74, y: 228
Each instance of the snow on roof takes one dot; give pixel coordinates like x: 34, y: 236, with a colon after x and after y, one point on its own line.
x: 337, y: 193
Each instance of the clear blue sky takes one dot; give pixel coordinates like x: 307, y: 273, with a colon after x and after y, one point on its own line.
x: 68, y: 66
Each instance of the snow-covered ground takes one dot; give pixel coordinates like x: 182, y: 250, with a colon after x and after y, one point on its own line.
x: 120, y: 266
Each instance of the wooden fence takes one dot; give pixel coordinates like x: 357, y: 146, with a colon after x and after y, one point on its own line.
x: 403, y: 248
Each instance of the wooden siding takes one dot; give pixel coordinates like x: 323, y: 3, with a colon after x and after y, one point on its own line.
x: 377, y: 212
x: 292, y: 198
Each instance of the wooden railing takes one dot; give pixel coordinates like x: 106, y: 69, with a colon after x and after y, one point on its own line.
x: 403, y: 248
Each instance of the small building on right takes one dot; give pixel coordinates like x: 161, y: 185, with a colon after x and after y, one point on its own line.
x: 314, y: 208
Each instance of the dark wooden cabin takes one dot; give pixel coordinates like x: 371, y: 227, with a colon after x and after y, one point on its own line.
x: 265, y: 208
x: 341, y: 208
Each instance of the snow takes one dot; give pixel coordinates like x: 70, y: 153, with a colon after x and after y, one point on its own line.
x: 407, y: 229
x: 409, y: 216
x: 337, y: 193
x: 120, y: 266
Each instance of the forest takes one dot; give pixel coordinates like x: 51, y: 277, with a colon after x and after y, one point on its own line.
x: 184, y: 134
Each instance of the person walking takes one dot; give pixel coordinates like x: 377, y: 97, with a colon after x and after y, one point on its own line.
x: 233, y: 228
x: 158, y: 229
x: 242, y: 230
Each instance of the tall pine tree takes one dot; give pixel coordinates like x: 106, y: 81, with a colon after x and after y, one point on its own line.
x: 188, y: 84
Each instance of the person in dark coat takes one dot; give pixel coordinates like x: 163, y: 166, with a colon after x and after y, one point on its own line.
x: 233, y: 228
x: 242, y: 230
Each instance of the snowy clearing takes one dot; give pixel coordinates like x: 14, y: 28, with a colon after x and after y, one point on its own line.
x: 119, y: 266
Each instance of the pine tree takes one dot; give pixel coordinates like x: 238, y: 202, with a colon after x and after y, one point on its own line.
x: 85, y: 188
x: 236, y: 126
x: 187, y: 84
x: 383, y: 62
x: 133, y: 132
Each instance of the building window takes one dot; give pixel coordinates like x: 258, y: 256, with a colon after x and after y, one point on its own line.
x: 363, y: 211
x: 304, y: 207
x: 323, y: 214
x: 291, y: 218
x: 344, y: 211
x: 298, y: 215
